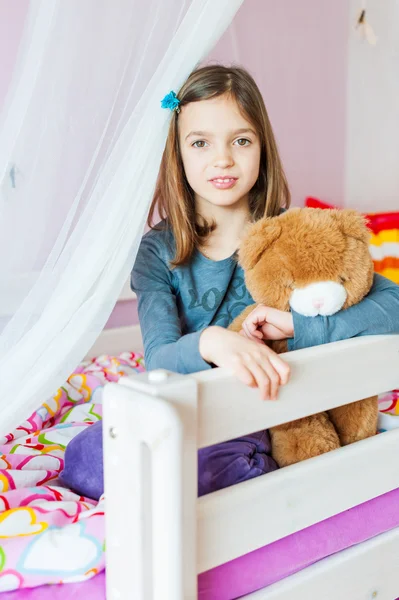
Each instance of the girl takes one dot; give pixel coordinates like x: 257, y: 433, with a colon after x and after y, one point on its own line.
x: 220, y: 171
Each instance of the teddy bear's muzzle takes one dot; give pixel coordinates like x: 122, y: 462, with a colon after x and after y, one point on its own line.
x: 322, y: 298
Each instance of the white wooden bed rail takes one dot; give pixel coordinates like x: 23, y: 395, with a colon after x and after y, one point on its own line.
x: 210, y: 407
x: 367, y: 571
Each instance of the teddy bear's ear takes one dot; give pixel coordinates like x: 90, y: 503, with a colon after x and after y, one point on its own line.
x: 259, y: 237
x: 353, y: 224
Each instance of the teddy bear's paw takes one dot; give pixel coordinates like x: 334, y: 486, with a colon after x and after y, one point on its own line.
x: 303, y: 439
x: 356, y: 421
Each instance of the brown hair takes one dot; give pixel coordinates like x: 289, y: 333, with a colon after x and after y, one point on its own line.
x: 173, y: 195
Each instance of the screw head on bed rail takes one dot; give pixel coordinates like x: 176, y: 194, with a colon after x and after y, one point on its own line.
x: 113, y: 432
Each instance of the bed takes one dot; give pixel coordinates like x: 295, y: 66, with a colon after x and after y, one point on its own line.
x: 258, y: 539
x: 181, y: 536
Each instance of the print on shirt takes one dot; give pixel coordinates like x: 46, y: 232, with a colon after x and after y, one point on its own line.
x: 236, y: 300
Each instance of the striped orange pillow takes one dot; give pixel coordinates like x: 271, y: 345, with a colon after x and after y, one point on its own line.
x: 384, y: 243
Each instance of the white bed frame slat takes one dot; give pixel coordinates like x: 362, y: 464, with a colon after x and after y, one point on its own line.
x: 367, y: 571
x: 260, y: 511
x: 247, y: 516
x: 321, y: 378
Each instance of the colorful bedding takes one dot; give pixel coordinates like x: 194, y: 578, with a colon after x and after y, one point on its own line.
x: 389, y: 411
x: 265, y: 566
x: 48, y: 534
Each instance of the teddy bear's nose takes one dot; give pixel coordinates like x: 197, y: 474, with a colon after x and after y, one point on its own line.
x: 318, y: 302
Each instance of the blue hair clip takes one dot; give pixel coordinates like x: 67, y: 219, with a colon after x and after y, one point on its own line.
x: 171, y: 101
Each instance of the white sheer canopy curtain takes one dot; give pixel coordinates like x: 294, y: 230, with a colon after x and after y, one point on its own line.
x: 81, y: 138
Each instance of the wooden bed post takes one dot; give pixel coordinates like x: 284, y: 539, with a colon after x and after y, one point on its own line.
x: 150, y: 427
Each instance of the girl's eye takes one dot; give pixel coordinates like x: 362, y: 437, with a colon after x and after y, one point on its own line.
x: 199, y: 144
x: 243, y: 142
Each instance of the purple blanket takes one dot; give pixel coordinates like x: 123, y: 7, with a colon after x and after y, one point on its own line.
x: 219, y: 466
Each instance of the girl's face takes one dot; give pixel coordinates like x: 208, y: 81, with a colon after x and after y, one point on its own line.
x: 220, y: 151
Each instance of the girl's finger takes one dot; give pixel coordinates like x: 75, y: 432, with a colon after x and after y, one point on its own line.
x: 254, y: 321
x: 281, y: 367
x: 267, y: 391
x: 255, y: 335
x: 270, y: 332
x: 280, y: 319
x: 251, y: 330
x: 244, y: 374
x: 273, y: 377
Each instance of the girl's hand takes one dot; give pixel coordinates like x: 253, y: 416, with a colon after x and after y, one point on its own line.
x: 265, y: 323
x: 254, y: 364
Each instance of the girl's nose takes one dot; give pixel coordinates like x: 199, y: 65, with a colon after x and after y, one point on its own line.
x: 224, y: 159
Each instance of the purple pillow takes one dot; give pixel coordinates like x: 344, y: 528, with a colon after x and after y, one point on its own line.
x: 219, y: 466
x: 83, y: 462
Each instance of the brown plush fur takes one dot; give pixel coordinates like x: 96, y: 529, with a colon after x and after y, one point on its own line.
x: 293, y: 250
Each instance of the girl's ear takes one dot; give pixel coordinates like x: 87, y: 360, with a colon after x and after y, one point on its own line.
x: 353, y: 224
x: 260, y: 236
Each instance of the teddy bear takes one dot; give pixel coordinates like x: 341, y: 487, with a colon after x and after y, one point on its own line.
x: 316, y: 262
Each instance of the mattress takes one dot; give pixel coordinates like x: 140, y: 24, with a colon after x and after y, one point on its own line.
x: 264, y: 566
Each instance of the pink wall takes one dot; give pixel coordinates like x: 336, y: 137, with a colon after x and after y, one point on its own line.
x: 124, y: 313
x: 297, y: 52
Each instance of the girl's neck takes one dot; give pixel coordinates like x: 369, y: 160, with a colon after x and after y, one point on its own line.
x: 231, y: 222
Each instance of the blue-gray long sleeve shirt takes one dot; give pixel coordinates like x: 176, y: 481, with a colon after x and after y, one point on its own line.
x: 176, y: 305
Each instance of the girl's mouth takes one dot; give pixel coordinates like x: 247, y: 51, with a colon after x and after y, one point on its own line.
x: 223, y: 183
